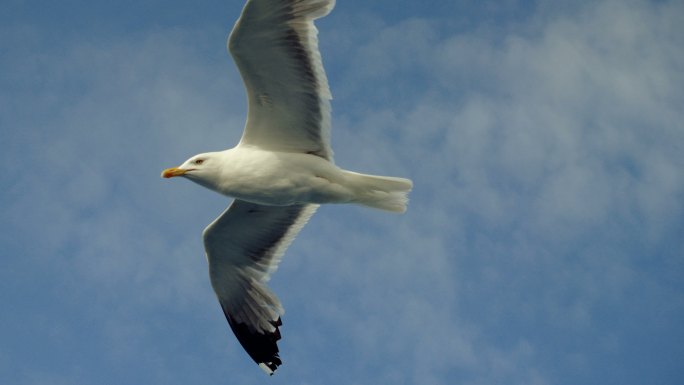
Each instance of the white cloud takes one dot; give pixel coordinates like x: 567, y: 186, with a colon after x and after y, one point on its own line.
x: 542, y: 154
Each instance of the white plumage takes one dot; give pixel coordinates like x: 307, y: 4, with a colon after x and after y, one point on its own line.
x: 281, y: 169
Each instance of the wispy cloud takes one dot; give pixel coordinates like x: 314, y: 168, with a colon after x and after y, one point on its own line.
x: 541, y: 245
x: 544, y: 160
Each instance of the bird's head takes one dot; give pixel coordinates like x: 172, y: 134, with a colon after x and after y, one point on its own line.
x: 202, y: 169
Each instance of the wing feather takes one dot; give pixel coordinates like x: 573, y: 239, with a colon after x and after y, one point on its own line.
x: 275, y: 46
x: 244, y: 246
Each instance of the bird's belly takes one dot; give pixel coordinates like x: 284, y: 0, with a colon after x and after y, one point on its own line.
x: 289, y: 179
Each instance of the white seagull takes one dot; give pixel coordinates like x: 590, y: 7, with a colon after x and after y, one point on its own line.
x: 281, y: 169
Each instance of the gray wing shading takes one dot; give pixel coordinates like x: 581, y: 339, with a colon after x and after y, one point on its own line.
x: 244, y: 246
x: 275, y: 46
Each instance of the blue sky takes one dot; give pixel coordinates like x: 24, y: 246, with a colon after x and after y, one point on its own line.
x: 543, y: 243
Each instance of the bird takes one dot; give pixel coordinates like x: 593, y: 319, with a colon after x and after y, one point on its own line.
x: 280, y: 171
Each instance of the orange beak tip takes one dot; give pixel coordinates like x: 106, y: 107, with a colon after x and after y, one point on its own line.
x: 171, y: 172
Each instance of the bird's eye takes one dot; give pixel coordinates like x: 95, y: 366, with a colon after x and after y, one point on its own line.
x: 199, y: 161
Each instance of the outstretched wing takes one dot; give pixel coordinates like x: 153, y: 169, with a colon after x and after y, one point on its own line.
x: 275, y: 46
x: 244, y: 246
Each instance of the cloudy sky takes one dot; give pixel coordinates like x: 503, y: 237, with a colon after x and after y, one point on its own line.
x: 543, y: 243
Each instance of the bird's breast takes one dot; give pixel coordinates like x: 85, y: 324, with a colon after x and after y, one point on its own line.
x: 277, y: 179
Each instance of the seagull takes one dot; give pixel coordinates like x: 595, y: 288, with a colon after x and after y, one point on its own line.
x: 281, y: 170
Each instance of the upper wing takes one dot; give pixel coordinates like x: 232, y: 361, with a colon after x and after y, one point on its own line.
x: 275, y: 46
x: 244, y: 246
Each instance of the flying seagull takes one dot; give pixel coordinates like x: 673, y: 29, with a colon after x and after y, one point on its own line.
x: 281, y: 169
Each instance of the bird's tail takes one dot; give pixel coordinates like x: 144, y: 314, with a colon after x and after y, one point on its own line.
x: 380, y: 192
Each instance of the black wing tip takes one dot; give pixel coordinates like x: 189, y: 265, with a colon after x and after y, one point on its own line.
x: 261, y: 347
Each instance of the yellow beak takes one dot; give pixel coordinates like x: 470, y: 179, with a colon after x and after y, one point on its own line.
x: 173, y: 171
